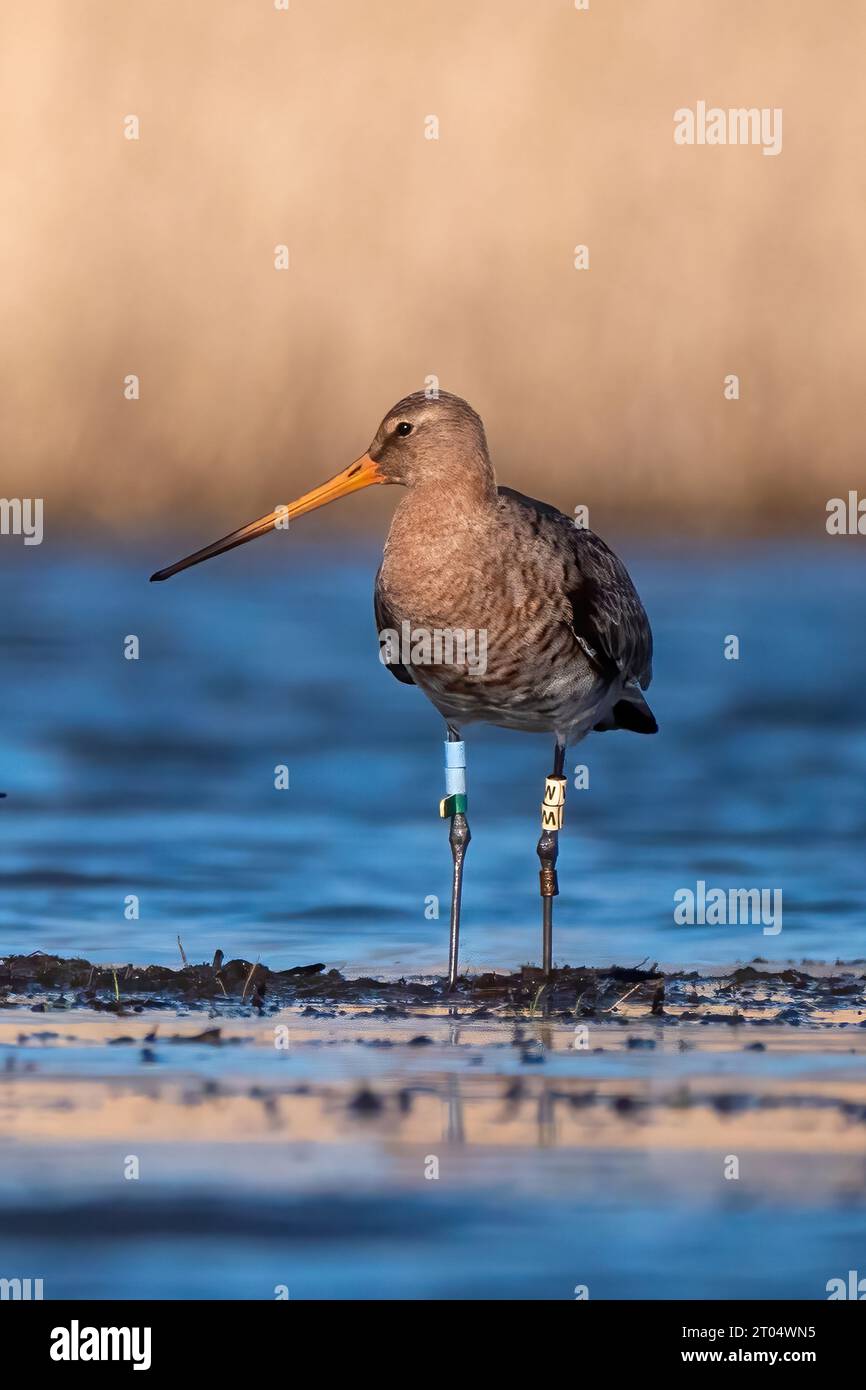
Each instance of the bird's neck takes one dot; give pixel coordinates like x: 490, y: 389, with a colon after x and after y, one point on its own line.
x: 466, y: 485
x: 436, y: 535
x: 446, y: 507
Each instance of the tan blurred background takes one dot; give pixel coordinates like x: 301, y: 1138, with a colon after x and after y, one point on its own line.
x: 412, y: 257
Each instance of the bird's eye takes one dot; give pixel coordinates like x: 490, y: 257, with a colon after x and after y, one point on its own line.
x: 404, y: 427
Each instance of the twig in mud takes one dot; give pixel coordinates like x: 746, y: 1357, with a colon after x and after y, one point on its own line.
x: 253, y: 969
x: 624, y: 997
x: 116, y: 986
x: 538, y: 993
x: 578, y: 999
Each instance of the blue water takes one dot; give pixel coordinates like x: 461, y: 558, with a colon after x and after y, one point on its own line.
x: 155, y: 777
x: 430, y: 1246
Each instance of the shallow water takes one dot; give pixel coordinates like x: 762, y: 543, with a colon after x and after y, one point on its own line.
x: 257, y: 1167
x: 155, y: 777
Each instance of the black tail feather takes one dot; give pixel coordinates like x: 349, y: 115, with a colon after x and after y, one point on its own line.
x: 629, y: 714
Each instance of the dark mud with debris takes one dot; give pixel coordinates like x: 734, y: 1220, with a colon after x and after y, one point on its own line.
x: 757, y: 993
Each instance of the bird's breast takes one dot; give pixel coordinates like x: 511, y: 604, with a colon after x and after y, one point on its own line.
x: 477, y: 618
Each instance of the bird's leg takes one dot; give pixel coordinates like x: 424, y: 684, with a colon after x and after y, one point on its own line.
x: 552, y: 809
x: 453, y: 804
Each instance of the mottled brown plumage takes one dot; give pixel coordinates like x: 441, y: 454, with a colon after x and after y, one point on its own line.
x: 567, y: 640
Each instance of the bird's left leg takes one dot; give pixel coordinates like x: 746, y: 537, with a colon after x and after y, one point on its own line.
x: 552, y: 810
x: 453, y: 804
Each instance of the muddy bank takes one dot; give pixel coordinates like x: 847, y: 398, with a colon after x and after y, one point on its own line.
x: 756, y: 993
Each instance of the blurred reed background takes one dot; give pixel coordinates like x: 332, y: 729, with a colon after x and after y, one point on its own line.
x: 412, y: 257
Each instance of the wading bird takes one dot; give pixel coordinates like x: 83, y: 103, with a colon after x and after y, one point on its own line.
x: 567, y: 644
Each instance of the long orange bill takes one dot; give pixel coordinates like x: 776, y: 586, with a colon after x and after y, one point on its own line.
x: 361, y: 473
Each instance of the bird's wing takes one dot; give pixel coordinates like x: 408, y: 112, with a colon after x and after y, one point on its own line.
x: 607, y: 617
x: 385, y: 621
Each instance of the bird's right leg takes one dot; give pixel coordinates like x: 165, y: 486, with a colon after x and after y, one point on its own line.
x: 453, y: 804
x: 552, y: 810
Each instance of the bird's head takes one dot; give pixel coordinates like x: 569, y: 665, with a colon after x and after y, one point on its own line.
x: 436, y: 441
x: 428, y: 440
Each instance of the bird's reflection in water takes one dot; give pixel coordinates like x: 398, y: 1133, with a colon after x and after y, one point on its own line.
x: 455, y: 1132
x: 519, y: 1104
